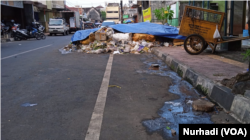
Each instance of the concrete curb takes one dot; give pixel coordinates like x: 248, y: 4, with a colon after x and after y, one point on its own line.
x: 237, y: 105
x: 7, y: 40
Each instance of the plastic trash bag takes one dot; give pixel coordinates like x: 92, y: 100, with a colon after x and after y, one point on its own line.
x: 216, y: 33
x: 109, y: 32
x: 140, y: 48
x: 127, y: 48
x: 116, y: 52
x: 135, y: 48
x: 144, y: 43
x: 64, y: 51
x: 122, y: 36
x: 96, y: 51
x: 166, y: 44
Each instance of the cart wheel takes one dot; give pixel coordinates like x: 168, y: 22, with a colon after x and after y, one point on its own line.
x: 194, y: 44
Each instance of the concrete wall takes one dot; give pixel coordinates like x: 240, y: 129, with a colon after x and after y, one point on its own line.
x: 49, y: 4
x: 58, y: 4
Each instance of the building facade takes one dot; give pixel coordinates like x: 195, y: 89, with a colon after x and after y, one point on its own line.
x: 113, y: 12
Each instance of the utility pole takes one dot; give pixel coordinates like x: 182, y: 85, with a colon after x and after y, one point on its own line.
x: 121, y: 13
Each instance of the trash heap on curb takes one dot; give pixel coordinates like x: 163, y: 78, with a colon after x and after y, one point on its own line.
x: 106, y: 40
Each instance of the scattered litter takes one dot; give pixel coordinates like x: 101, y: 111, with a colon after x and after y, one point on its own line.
x: 155, y: 65
x: 64, y: 51
x: 140, y: 47
x: 173, y: 132
x: 116, y: 52
x: 166, y: 44
x: 114, y: 86
x: 227, y: 120
x: 28, y: 104
x: 189, y: 102
x: 174, y: 104
x: 168, y: 127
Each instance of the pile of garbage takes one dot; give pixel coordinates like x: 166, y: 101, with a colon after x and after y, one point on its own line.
x: 106, y: 40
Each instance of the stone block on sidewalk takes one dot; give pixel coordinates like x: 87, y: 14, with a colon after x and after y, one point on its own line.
x: 202, y: 105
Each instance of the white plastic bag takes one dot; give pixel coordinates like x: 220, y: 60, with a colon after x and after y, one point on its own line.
x: 143, y: 42
x: 216, y: 33
x: 166, y: 44
x: 122, y: 36
x: 127, y: 48
x: 116, y: 52
x: 64, y: 51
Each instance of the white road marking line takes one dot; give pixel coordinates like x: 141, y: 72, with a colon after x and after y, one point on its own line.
x: 25, y: 52
x: 95, y: 124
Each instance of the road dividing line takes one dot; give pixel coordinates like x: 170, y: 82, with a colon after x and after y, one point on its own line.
x: 25, y: 52
x: 95, y: 124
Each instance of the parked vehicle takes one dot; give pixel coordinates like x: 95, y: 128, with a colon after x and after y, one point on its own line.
x: 58, y: 26
x: 97, y: 24
x: 73, y: 18
x: 88, y: 25
x: 107, y: 23
x: 35, y: 30
x: 8, y: 27
x: 2, y: 27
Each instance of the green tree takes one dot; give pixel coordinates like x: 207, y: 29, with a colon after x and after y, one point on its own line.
x: 247, y: 56
x: 164, y: 15
x: 103, y: 15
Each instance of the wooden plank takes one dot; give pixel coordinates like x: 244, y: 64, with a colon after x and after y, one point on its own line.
x: 178, y: 40
x: 178, y: 43
x: 207, y: 10
x: 234, y: 39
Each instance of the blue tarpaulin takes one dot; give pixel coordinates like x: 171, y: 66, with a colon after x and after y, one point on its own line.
x: 142, y: 27
x: 82, y: 34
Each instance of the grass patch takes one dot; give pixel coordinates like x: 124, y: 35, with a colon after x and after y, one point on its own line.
x: 172, y: 67
x: 188, y: 80
x: 202, y: 89
x: 179, y: 72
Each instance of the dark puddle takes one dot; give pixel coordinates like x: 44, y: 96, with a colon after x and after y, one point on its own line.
x: 177, y: 111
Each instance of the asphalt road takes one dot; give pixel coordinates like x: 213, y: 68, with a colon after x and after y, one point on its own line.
x: 49, y: 96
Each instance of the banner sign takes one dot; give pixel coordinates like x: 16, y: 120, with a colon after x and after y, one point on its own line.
x: 147, y: 14
x: 130, y: 11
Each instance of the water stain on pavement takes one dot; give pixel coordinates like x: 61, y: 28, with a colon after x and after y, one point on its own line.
x: 177, y: 111
x: 28, y: 104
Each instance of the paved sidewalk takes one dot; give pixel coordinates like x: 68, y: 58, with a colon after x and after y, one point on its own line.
x: 204, y: 72
x: 212, y: 66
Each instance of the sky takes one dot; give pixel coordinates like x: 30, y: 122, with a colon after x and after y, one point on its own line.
x: 90, y: 3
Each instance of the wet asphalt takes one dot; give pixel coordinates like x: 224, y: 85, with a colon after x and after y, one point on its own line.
x: 49, y: 96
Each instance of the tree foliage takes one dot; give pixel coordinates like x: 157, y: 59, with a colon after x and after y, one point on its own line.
x: 247, y: 56
x: 164, y: 15
x: 103, y: 15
